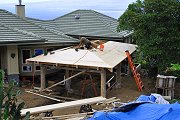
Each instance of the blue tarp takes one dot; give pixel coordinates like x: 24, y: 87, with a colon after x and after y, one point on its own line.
x: 146, y: 98
x: 143, y: 112
x: 146, y: 110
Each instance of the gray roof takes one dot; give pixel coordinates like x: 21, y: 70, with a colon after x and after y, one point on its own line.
x: 10, y: 35
x: 23, y: 26
x: 85, y: 23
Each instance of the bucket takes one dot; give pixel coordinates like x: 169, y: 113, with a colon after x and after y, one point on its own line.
x: 101, y: 47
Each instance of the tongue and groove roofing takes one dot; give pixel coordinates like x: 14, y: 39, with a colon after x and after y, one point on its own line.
x: 85, y: 23
x: 21, y: 27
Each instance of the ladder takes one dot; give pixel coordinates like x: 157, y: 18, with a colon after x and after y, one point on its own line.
x: 134, y: 71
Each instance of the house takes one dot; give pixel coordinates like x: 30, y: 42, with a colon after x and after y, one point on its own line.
x: 22, y: 38
x: 87, y: 23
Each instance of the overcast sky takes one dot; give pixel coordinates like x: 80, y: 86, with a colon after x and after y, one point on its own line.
x: 50, y: 9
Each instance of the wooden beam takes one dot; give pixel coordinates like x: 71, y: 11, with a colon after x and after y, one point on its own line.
x: 80, y: 69
x: 62, y: 105
x: 70, y: 67
x: 103, y: 82
x: 43, y: 77
x: 64, y: 80
x: 64, y: 98
x: 44, y: 96
x: 118, y: 76
x: 67, y: 83
x: 128, y: 69
x: 67, y: 73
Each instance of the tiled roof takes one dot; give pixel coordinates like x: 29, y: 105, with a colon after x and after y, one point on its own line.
x: 85, y: 23
x: 24, y: 26
x: 10, y: 35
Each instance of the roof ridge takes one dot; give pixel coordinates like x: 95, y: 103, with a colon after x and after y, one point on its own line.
x: 64, y: 15
x: 50, y: 30
x: 95, y: 13
x: 36, y: 19
x: 126, y: 31
x: 23, y: 32
x: 103, y: 14
x: 40, y: 26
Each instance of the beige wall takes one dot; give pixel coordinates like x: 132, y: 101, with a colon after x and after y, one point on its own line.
x: 12, y: 63
x: 3, y: 58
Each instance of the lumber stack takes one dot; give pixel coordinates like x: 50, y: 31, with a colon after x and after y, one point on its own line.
x: 62, y: 105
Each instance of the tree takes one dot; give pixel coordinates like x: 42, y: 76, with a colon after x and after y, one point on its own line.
x: 156, y: 26
x: 9, y: 110
x: 174, y: 69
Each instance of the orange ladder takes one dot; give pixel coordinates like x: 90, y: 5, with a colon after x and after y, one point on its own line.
x: 134, y: 71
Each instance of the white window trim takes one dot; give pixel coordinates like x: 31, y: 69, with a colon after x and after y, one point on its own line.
x: 27, y: 65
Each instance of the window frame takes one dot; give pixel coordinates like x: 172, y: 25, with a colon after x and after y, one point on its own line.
x: 22, y: 61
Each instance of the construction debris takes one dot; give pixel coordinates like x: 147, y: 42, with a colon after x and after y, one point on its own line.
x: 44, y: 96
x: 62, y: 105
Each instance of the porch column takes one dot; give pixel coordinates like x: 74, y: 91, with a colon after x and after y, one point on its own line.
x: 43, y: 77
x: 118, y: 76
x: 103, y: 82
x: 12, y: 63
x: 67, y: 83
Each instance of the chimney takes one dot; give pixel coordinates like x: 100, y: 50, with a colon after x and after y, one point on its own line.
x: 20, y: 10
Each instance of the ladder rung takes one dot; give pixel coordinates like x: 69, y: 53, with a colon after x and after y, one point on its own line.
x: 132, y: 65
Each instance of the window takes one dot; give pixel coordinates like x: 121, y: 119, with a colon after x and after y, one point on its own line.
x: 25, y: 55
x: 38, y: 52
x: 27, y: 68
x: 38, y: 68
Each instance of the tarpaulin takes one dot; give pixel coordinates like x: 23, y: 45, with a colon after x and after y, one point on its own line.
x: 145, y: 111
x: 144, y: 108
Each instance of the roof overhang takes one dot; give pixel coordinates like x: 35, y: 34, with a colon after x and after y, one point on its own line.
x: 112, y: 55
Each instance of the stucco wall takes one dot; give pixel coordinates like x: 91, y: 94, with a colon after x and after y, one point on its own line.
x: 12, y: 60
x: 32, y: 48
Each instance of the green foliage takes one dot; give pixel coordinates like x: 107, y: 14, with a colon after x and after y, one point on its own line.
x: 9, y: 110
x: 175, y: 67
x: 174, y: 70
x: 174, y: 101
x: 156, y: 26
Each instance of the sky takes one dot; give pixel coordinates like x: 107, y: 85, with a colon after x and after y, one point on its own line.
x: 50, y: 9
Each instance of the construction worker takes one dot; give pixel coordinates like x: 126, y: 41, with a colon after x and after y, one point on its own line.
x: 84, y: 42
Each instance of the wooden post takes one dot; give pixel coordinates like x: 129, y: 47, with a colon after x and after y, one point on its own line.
x: 103, y: 82
x: 63, y: 80
x: 67, y: 83
x: 128, y: 69
x: 43, y: 77
x: 118, y: 76
x: 67, y: 74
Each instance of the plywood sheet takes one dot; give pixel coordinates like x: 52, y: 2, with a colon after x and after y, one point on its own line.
x: 113, y: 54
